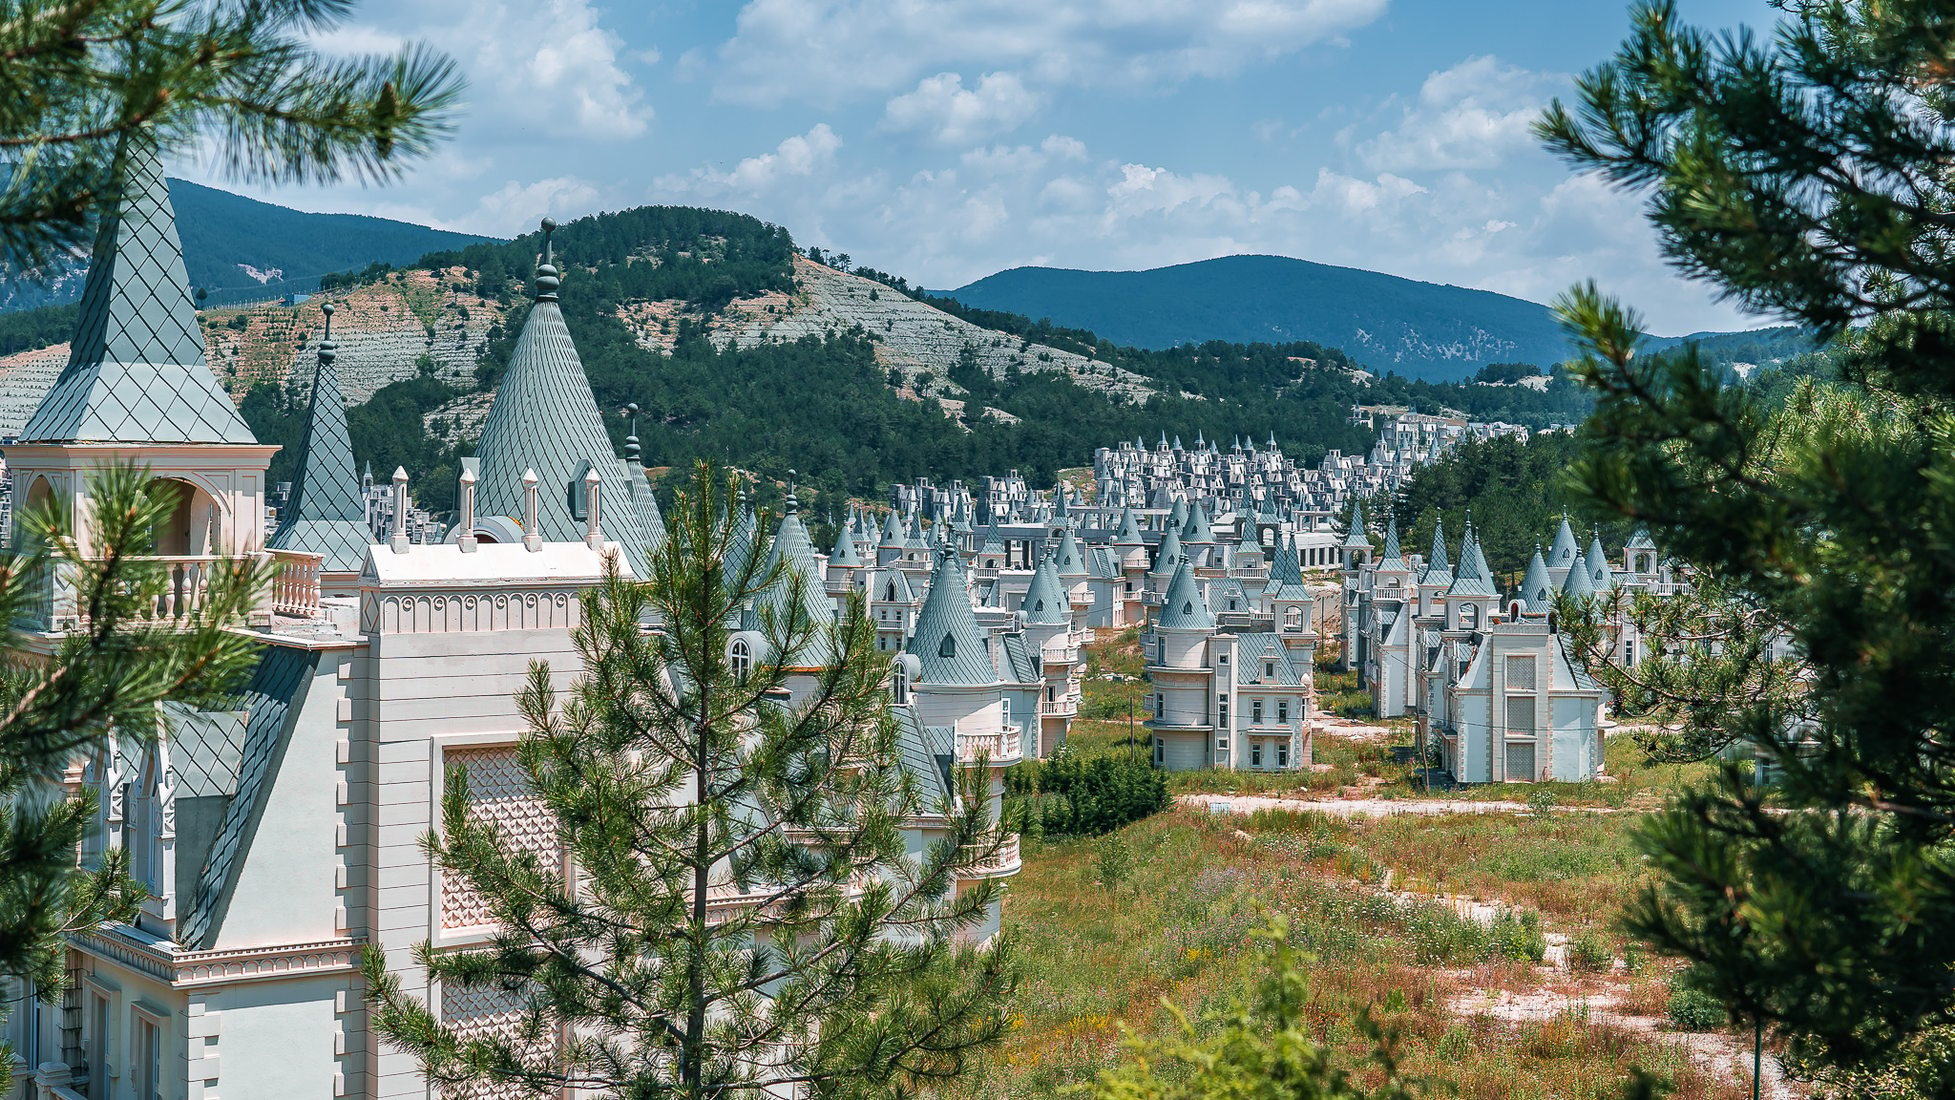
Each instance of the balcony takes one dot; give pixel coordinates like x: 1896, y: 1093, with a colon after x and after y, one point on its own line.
x: 295, y: 583
x: 999, y: 747
x: 1066, y: 706
x: 184, y: 590
x: 1002, y: 863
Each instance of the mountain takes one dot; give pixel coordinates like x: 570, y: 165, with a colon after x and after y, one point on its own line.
x: 238, y: 249
x: 738, y: 348
x: 1383, y: 322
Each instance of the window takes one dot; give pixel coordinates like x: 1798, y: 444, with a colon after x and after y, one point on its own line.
x: 947, y: 648
x: 1269, y: 670
x: 147, y: 1057
x: 740, y: 659
x: 1223, y: 660
x: 1160, y: 753
x: 1160, y: 705
x: 1255, y: 754
x: 1005, y: 709
x: 1520, y: 672
x: 97, y: 1051
x: 1255, y: 712
x: 1282, y: 710
x: 1222, y: 712
x: 1051, y: 694
x: 1469, y: 616
x: 900, y: 685
x: 1282, y: 754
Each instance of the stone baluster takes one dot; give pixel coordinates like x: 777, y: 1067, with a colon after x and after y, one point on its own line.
x: 466, y: 541
x: 398, y: 543
x: 593, y: 533
x: 532, y: 530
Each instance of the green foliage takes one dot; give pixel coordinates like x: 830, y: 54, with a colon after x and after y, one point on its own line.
x: 830, y: 959
x: 1589, y: 953
x: 1261, y: 1046
x: 1115, y: 860
x: 1504, y: 373
x: 244, y: 78
x: 1517, y: 493
x: 36, y: 328
x: 109, y: 672
x: 1069, y: 795
x: 1692, y: 1009
x: 1801, y: 173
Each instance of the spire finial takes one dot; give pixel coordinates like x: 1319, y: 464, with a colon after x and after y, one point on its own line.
x: 793, y: 502
x: 328, y: 351
x: 632, y: 454
x: 547, y: 279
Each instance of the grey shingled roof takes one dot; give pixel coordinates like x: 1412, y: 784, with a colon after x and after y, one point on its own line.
x: 273, y: 697
x: 136, y: 372
x: 1563, y: 552
x: 1473, y: 577
x: 1536, y: 589
x: 949, y: 645
x: 545, y: 419
x: 1020, y: 659
x: 1183, y: 608
x: 1197, y: 530
x: 1578, y: 585
x: 795, y: 553
x: 1439, y: 569
x: 1356, y: 537
x: 1129, y: 532
x: 1599, y: 573
x: 326, y: 515
x: 1394, y: 558
x: 1168, y: 554
x: 1068, y: 560
x: 1045, y: 602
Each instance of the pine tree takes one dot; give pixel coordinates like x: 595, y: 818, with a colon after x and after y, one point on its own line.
x: 77, y: 76
x: 741, y: 914
x: 1805, y: 176
x: 110, y: 673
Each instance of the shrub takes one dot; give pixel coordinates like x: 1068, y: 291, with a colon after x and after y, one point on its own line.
x: 1074, y: 797
x: 1692, y: 1009
x: 1590, y: 953
x: 1115, y: 861
x: 1541, y: 802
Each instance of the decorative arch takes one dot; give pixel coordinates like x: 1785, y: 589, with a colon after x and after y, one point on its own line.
x: 196, y: 522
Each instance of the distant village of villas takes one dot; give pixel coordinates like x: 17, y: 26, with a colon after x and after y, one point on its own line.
x: 279, y: 839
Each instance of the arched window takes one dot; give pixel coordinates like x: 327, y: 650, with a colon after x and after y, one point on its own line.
x: 900, y: 686
x: 1469, y: 616
x: 948, y: 647
x: 890, y: 594
x: 1293, y: 618
x: 740, y: 657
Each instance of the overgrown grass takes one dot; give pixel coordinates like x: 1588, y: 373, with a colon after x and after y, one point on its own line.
x: 1191, y: 888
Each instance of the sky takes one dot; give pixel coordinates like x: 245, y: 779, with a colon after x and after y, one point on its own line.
x: 944, y: 140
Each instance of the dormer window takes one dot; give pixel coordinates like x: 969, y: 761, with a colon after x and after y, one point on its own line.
x: 900, y: 685
x: 740, y: 659
x: 948, y: 648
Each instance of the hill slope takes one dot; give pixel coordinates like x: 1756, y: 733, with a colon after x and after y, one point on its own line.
x: 239, y: 249
x: 1386, y: 323
x: 740, y: 350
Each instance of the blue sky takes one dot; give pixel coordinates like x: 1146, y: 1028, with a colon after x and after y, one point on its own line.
x: 947, y: 139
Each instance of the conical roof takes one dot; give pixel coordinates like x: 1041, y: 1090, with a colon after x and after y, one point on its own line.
x: 545, y: 419
x: 1183, y: 608
x: 844, y: 555
x: 913, y: 538
x: 1563, y: 552
x: 994, y: 543
x: 136, y: 370
x: 1168, y: 554
x: 1129, y: 532
x: 1473, y: 578
x: 949, y: 645
x: 325, y: 514
x: 1394, y: 558
x: 1178, y: 513
x: 892, y: 531
x: 1537, y: 591
x: 1356, y: 537
x: 1599, y: 573
x: 1069, y: 561
x: 794, y: 553
x: 1439, y: 569
x: 1045, y: 602
x: 1578, y: 585
x: 1197, y: 532
x: 1640, y: 539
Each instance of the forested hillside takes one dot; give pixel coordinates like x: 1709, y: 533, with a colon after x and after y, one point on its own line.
x: 238, y: 249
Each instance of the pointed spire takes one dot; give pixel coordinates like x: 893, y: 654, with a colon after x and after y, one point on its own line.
x: 1439, y: 569
x: 892, y: 531
x: 136, y: 369
x: 947, y: 641
x: 545, y: 418
x: 1045, y: 602
x: 1599, y: 574
x: 1197, y: 532
x: 1473, y: 578
x: 1069, y: 561
x: 1168, y: 554
x: 1537, y: 591
x: 1562, y: 554
x: 1578, y: 585
x: 844, y: 555
x: 325, y: 514
x: 1183, y: 608
x: 793, y: 553
x: 1129, y: 532
x: 1356, y: 535
x: 1393, y: 558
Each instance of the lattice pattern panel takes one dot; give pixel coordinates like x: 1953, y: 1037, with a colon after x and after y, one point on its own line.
x: 499, y: 793
x: 481, y: 1013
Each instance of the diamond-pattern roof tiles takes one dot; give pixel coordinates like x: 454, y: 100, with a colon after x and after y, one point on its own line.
x: 1184, y: 608
x: 947, y: 641
x: 325, y: 514
x: 136, y: 372
x: 545, y: 419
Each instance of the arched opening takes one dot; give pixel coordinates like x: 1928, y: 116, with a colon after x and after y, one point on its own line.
x: 740, y: 658
x: 40, y: 498
x: 194, y: 524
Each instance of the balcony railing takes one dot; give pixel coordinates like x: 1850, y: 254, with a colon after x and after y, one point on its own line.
x: 1001, y: 863
x: 295, y: 583
x: 1000, y: 747
x: 1064, y: 707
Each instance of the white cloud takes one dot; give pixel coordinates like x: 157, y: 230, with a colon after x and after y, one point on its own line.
x: 799, y: 156
x: 547, y: 66
x: 862, y: 48
x: 943, y: 110
x: 515, y: 207
x: 1472, y: 115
